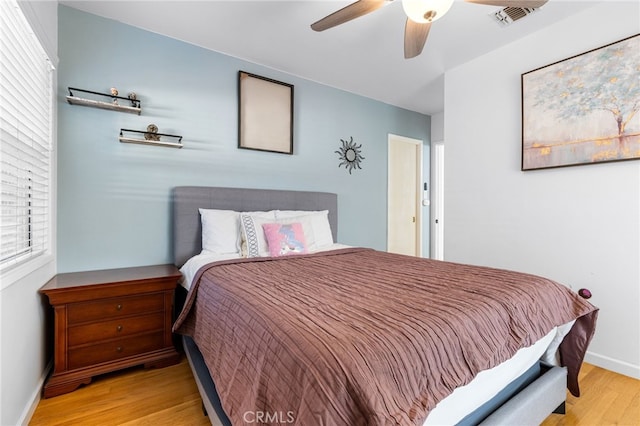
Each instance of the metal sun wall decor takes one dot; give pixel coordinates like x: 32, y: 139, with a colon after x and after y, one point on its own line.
x: 350, y: 155
x: 584, y: 109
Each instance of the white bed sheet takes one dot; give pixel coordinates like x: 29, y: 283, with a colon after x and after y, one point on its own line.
x: 465, y: 399
x: 488, y: 383
x: 191, y: 267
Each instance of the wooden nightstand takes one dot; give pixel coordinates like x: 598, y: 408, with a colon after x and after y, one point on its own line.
x: 108, y: 320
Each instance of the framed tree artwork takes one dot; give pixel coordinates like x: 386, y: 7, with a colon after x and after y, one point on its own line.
x: 265, y: 114
x: 584, y: 109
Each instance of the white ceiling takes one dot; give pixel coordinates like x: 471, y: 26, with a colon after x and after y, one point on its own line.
x: 363, y: 56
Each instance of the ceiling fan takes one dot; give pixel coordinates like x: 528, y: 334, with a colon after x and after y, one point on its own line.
x: 420, y: 15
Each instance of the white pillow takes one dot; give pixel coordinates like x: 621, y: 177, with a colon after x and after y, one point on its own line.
x: 221, y: 230
x: 285, y: 214
x: 318, y: 221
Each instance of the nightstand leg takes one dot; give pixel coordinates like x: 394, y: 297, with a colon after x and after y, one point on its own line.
x: 57, y: 386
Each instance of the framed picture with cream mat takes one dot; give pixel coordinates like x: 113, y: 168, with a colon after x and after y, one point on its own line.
x: 265, y: 114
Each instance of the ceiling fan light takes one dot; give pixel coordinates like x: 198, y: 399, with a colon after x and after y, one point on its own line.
x: 423, y: 11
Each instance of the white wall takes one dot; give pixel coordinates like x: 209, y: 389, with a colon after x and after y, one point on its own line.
x: 23, y: 350
x: 437, y: 127
x: 577, y: 225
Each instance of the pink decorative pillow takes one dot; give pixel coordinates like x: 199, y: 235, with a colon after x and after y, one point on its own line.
x: 285, y: 239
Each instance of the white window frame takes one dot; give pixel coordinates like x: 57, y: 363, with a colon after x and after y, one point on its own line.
x: 35, y: 257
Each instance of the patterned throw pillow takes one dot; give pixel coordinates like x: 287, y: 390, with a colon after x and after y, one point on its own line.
x: 285, y: 239
x: 252, y: 236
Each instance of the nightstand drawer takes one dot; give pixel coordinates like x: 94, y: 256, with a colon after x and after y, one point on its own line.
x: 113, y: 308
x: 121, y: 327
x: 114, y: 349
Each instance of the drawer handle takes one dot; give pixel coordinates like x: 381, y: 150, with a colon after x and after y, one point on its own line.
x: 119, y: 328
x: 119, y: 349
x: 119, y: 307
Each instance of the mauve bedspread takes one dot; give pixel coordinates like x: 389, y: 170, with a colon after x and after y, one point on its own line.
x: 357, y: 336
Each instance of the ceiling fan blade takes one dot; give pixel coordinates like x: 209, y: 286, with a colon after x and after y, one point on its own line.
x: 510, y: 3
x: 415, y: 36
x: 347, y: 13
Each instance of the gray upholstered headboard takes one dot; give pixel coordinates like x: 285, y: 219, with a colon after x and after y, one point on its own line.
x: 186, y: 200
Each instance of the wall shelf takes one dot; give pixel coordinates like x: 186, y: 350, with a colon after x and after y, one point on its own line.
x: 150, y: 137
x: 113, y: 104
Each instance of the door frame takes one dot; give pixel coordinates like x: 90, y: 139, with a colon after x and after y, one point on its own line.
x: 418, y: 185
x: 437, y: 200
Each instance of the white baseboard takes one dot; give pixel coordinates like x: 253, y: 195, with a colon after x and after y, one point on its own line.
x: 616, y: 365
x: 25, y: 418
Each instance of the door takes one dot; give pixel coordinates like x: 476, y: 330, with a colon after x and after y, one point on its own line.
x: 404, y: 218
x: 437, y: 194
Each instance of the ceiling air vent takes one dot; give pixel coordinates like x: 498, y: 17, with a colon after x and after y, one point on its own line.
x: 509, y: 15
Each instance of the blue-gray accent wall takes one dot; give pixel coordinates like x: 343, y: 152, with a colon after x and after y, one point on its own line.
x: 113, y: 198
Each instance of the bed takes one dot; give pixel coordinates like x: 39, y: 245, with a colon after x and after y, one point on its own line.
x: 324, y: 383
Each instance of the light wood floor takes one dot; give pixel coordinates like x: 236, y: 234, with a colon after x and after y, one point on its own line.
x: 606, y: 398
x: 137, y: 396
x: 169, y: 396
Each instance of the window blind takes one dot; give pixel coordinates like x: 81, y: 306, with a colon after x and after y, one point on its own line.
x: 26, y: 113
